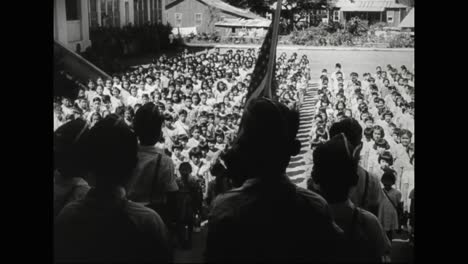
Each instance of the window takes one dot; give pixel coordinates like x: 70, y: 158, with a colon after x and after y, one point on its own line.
x: 145, y: 7
x: 127, y: 13
x: 141, y: 12
x: 93, y: 15
x: 159, y: 10
x: 178, y: 19
x: 389, y: 16
x: 198, y: 19
x: 153, y: 11
x: 116, y: 13
x: 110, y: 13
x: 72, y: 8
x: 336, y: 15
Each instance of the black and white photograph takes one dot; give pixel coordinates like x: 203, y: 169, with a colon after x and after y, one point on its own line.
x: 199, y: 131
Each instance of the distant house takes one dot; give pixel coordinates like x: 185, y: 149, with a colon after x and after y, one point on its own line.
x: 202, y: 16
x: 243, y: 27
x: 389, y: 11
x: 408, y: 22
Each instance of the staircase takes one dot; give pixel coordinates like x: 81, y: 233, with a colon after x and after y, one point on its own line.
x: 77, y: 66
x: 300, y: 165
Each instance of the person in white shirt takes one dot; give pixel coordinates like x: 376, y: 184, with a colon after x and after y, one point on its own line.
x: 150, y: 86
x: 169, y: 131
x: 133, y: 98
x: 116, y: 99
x: 108, y: 88
x: 91, y: 92
x: 177, y: 157
x: 337, y: 70
x: 199, y: 168
x: 181, y: 124
x: 67, y: 108
x: 196, y: 138
x: 165, y: 79
x: 153, y: 165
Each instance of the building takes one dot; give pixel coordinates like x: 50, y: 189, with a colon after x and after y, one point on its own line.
x: 408, y: 22
x: 389, y: 11
x: 201, y: 16
x: 74, y: 18
x: 246, y: 27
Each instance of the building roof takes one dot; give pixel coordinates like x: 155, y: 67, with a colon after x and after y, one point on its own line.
x: 231, y: 9
x: 221, y: 6
x: 240, y: 22
x: 367, y: 5
x: 408, y: 21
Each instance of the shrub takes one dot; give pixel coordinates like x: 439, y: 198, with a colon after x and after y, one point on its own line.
x: 331, y: 27
x: 402, y: 40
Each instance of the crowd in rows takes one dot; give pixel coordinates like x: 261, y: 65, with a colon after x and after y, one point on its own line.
x: 383, y: 104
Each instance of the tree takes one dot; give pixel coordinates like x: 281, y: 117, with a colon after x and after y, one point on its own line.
x: 257, y: 6
x: 293, y: 11
x: 213, y: 17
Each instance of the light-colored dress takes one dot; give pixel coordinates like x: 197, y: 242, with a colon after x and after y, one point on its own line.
x: 406, y: 187
x: 388, y: 215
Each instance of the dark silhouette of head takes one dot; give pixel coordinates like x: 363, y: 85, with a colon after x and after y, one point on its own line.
x: 112, y: 151
x: 335, y: 168
x: 353, y: 132
x: 268, y: 140
x: 147, y: 123
x: 69, y: 148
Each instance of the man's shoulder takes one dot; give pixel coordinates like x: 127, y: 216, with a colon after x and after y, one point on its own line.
x: 156, y: 154
x: 71, y: 210
x: 368, y: 218
x: 141, y: 212
x: 237, y: 197
x: 373, y: 178
x: 225, y: 204
x: 311, y: 199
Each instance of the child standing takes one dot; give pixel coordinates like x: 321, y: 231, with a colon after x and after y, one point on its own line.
x: 189, y: 200
x: 194, y: 141
x: 177, y: 157
x: 219, y: 135
x: 389, y: 207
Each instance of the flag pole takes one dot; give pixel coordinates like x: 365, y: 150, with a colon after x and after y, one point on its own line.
x: 268, y: 92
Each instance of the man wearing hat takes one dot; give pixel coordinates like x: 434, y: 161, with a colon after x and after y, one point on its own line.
x: 268, y: 218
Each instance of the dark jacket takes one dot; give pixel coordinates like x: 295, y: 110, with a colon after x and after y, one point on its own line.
x: 271, y: 221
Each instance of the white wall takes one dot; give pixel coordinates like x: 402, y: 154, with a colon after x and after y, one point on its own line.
x: 62, y: 27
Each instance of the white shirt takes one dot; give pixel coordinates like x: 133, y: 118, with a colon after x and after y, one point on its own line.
x: 132, y: 101
x: 151, y: 183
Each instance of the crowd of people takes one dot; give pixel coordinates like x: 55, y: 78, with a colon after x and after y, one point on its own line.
x: 383, y: 105
x: 144, y: 158
x: 201, y: 99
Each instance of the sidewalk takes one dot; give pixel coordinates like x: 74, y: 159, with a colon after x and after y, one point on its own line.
x: 293, y: 47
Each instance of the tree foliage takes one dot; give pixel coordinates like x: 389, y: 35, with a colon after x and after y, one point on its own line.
x: 292, y: 11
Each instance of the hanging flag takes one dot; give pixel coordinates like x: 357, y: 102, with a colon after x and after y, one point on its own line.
x: 263, y: 81
x: 263, y: 77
